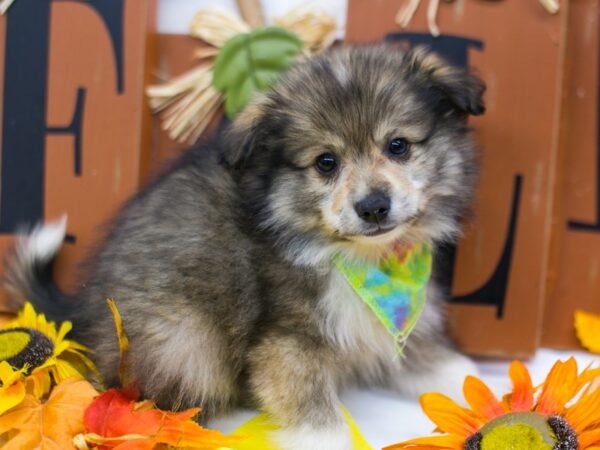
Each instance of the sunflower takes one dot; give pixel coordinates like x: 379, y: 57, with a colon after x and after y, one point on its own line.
x: 35, y: 346
x: 561, y: 414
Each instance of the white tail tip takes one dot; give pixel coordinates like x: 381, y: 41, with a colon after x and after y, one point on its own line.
x: 45, y: 240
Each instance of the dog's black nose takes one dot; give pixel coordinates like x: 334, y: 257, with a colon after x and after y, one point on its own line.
x: 373, y: 208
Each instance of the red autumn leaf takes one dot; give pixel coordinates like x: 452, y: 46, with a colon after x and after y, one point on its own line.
x: 115, y: 421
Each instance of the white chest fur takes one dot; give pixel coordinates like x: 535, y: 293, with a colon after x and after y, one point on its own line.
x: 368, y: 349
x: 349, y: 324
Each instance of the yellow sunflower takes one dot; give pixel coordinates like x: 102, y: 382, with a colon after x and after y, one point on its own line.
x: 35, y: 345
x: 561, y: 414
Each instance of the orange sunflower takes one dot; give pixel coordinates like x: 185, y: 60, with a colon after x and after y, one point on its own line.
x: 561, y: 414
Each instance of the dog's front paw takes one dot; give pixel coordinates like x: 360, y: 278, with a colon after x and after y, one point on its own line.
x: 446, y: 376
x: 310, y: 438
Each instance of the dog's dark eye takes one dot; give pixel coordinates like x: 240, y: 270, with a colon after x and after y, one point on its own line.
x: 326, y: 163
x: 399, y: 147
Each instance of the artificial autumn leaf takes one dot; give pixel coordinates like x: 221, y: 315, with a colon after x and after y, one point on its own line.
x: 587, y: 326
x: 12, y: 387
x: 49, y: 425
x: 123, y: 341
x: 251, y: 62
x: 115, y: 421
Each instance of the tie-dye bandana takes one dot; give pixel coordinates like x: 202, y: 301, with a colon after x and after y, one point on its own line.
x: 395, y: 289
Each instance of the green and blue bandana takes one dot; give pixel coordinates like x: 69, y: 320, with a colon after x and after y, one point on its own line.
x: 394, y: 289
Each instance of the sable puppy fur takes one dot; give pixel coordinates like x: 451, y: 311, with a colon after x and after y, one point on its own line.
x: 221, y: 268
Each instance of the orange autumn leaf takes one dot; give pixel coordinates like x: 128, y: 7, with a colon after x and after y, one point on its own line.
x: 115, y: 421
x: 49, y: 425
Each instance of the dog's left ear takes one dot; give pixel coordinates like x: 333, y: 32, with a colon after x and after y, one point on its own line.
x: 457, y: 88
x: 243, y: 134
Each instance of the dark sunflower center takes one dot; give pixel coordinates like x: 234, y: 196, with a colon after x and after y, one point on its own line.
x: 524, y: 431
x: 566, y: 438
x: 24, y: 346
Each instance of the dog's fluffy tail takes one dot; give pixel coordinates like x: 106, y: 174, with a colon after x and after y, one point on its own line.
x: 28, y: 271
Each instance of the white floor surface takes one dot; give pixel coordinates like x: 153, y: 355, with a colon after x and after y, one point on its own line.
x: 386, y: 418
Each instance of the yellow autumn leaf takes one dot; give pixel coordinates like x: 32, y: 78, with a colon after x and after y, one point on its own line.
x: 587, y: 326
x: 123, y: 341
x: 12, y: 387
x: 258, y: 430
x: 49, y: 425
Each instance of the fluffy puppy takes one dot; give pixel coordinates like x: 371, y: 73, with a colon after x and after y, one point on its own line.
x: 221, y: 268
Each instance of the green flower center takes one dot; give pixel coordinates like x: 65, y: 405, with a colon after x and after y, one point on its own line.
x: 524, y: 431
x: 514, y: 437
x: 12, y: 343
x: 22, y: 347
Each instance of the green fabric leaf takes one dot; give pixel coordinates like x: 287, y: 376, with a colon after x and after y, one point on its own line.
x: 252, y: 62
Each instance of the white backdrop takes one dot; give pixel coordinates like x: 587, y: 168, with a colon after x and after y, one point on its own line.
x: 174, y: 15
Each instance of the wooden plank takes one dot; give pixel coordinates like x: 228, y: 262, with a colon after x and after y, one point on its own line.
x: 575, y: 280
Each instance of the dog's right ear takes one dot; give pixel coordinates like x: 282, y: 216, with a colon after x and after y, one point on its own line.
x: 456, y: 88
x: 242, y: 135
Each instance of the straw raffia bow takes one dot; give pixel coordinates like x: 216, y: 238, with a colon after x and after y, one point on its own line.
x: 189, y: 101
x: 405, y: 15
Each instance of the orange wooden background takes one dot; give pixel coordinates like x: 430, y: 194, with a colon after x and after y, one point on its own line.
x: 115, y: 131
x: 575, y: 268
